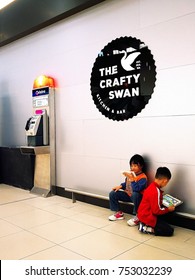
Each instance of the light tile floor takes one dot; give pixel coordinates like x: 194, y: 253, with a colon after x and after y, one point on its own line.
x: 54, y: 228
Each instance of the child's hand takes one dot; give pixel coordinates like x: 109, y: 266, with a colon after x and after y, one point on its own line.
x: 171, y: 208
x: 117, y: 188
x: 130, y: 176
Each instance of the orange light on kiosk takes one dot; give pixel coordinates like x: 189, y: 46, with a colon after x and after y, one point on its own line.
x: 43, y: 81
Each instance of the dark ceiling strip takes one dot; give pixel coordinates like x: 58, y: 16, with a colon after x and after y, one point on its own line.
x: 23, y: 17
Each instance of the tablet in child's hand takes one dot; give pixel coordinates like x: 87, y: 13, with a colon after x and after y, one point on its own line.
x: 169, y: 200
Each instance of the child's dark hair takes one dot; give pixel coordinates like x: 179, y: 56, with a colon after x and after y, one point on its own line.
x: 163, y: 172
x: 137, y: 159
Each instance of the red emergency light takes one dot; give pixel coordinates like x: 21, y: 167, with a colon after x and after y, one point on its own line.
x: 43, y: 81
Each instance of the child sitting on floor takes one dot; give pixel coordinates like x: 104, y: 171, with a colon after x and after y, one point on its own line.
x: 129, y: 191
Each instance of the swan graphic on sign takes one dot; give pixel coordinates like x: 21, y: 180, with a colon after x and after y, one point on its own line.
x: 128, y: 59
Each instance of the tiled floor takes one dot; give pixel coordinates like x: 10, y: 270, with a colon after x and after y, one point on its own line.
x: 54, y: 228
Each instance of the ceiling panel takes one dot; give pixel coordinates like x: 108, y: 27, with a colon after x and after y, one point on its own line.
x: 23, y: 17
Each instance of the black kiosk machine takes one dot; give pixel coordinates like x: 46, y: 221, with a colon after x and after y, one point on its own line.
x: 40, y: 133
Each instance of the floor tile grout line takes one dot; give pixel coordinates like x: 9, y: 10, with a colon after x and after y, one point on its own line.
x: 33, y: 227
x: 55, y: 245
x: 76, y: 237
x: 15, y: 201
x: 36, y: 234
x: 151, y: 237
x: 33, y: 209
x: 126, y: 251
x: 167, y: 251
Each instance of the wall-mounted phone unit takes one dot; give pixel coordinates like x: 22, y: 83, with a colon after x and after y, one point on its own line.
x: 32, y: 125
x: 37, y: 129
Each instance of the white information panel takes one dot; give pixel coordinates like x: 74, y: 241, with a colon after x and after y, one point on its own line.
x: 40, y: 101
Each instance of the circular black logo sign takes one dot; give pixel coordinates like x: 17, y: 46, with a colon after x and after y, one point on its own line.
x: 123, y: 78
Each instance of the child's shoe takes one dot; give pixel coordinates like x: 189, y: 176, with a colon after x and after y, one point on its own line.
x: 145, y: 229
x: 133, y: 221
x: 117, y: 216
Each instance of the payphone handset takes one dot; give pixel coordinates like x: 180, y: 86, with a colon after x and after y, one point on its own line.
x: 37, y: 129
x: 32, y: 125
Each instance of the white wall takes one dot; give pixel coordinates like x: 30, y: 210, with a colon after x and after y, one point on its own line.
x: 91, y: 149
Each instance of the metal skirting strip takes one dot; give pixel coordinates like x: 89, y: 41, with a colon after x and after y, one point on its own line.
x: 187, y: 215
x: 75, y: 191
